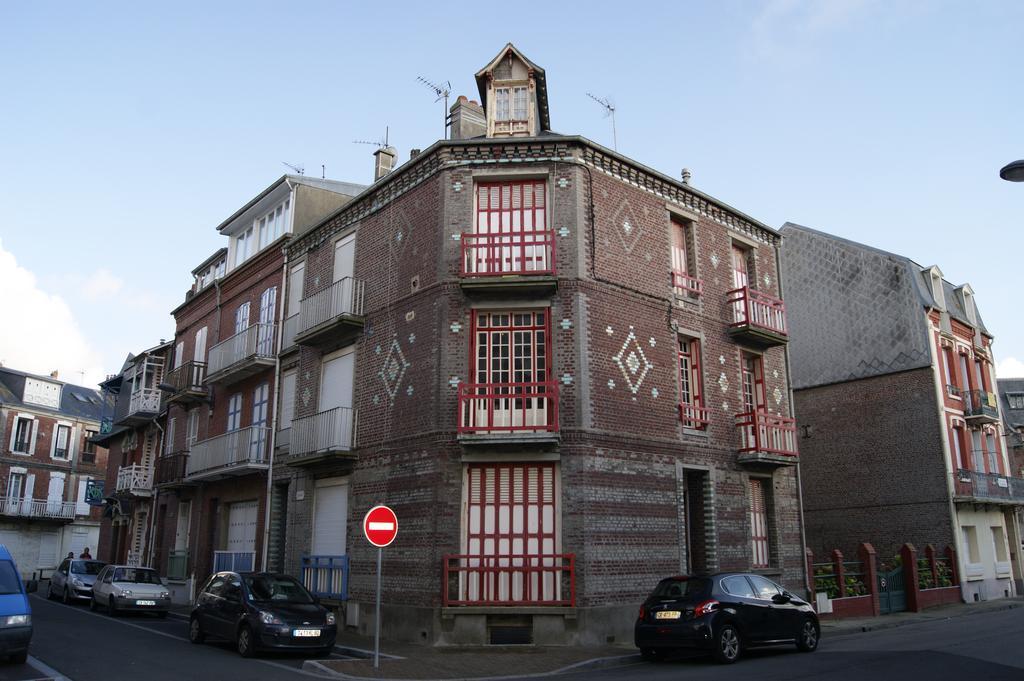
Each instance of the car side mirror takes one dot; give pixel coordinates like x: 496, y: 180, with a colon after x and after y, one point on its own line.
x: 31, y: 586
x: 782, y: 598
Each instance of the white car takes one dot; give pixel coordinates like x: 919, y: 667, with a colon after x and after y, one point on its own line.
x: 120, y: 588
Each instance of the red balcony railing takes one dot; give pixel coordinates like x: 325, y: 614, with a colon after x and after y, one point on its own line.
x: 508, y: 407
x: 693, y: 416
x: 685, y: 285
x: 764, y: 433
x: 513, y: 580
x: 756, y: 309
x: 520, y: 253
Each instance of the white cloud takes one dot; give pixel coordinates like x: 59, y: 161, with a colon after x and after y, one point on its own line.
x: 101, y: 284
x: 1010, y: 367
x: 40, y: 332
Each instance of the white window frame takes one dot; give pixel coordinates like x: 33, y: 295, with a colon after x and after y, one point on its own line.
x: 70, y: 443
x: 199, y: 349
x: 287, y: 412
x: 32, y: 437
x: 234, y: 413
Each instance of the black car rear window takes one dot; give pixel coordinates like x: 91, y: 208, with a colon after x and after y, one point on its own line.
x: 683, y: 587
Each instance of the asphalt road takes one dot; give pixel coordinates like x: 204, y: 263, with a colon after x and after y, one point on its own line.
x: 986, y: 646
x: 86, y: 646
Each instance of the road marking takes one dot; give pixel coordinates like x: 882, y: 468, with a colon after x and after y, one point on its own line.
x: 50, y: 672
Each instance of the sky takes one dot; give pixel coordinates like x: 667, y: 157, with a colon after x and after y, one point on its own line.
x: 129, y: 131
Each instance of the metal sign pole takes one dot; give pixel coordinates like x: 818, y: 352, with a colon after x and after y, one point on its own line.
x: 376, y: 637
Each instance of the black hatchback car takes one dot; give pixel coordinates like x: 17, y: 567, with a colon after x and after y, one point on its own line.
x: 261, y: 611
x: 723, y: 613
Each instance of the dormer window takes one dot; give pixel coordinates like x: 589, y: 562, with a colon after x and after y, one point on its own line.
x: 938, y: 293
x: 514, y: 95
x: 1016, y: 400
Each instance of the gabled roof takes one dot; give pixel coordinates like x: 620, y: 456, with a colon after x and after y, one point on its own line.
x: 538, y: 74
x: 76, y: 401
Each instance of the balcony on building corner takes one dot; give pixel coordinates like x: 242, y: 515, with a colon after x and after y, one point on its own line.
x: 508, y: 412
x: 508, y: 261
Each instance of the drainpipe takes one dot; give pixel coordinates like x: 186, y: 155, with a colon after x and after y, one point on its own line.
x: 792, y: 411
x: 277, y: 392
x: 156, y: 497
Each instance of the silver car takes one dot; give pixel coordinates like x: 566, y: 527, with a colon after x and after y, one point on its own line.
x: 73, y: 579
x: 122, y: 588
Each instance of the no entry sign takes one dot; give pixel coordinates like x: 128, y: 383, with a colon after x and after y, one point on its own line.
x: 380, y: 526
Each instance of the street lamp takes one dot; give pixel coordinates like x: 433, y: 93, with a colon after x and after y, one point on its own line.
x: 1013, y: 172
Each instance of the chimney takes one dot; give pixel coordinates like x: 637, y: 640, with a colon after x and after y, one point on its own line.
x: 467, y: 119
x: 384, y: 163
x: 687, y: 175
x: 53, y: 374
x: 413, y: 153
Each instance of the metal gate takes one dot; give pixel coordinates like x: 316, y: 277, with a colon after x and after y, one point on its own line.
x: 892, y: 597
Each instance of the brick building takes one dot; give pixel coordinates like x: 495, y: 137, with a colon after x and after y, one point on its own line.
x: 46, y: 463
x: 894, y: 384
x: 219, y: 388
x: 134, y: 437
x: 566, y: 372
x: 1011, y: 403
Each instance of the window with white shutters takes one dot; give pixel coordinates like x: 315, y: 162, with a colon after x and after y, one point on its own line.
x: 511, y: 526
x: 759, y: 524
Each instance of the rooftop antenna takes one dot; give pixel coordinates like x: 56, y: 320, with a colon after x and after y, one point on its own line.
x: 609, y: 110
x: 380, y: 144
x: 299, y: 170
x: 442, y: 92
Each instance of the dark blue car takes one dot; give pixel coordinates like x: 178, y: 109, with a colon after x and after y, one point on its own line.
x: 723, y: 614
x: 262, y: 611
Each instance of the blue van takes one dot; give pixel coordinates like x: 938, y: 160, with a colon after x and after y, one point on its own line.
x: 15, y: 612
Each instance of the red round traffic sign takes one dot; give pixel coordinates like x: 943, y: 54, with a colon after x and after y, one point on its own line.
x: 380, y: 525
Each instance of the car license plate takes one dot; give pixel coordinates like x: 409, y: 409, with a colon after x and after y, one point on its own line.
x: 307, y: 633
x: 145, y: 602
x: 667, y: 615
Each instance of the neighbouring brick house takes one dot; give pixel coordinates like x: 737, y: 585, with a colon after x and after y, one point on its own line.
x: 219, y: 389
x: 46, y: 463
x: 1011, y: 402
x: 894, y: 385
x: 566, y: 372
x: 134, y: 436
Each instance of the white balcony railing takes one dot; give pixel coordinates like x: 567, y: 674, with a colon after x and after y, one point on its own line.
x: 256, y: 341
x: 135, y: 479
x: 328, y: 431
x: 343, y: 297
x: 144, y: 400
x: 37, y: 508
x: 237, y: 449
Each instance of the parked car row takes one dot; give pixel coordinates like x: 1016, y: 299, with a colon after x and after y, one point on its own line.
x: 253, y: 610
x: 724, y: 614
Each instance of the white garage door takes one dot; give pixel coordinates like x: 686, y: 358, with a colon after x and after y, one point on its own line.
x: 330, y: 514
x: 24, y: 551
x: 242, y: 526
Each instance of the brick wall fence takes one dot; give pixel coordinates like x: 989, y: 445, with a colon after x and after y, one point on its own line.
x: 852, y: 587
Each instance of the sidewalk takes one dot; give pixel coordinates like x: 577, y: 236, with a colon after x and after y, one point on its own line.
x: 856, y: 625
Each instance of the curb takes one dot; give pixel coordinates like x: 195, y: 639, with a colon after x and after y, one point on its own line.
x: 920, y: 619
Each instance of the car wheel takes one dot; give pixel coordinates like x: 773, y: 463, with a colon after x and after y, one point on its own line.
x: 66, y: 597
x: 244, y: 643
x: 727, y: 644
x: 20, y: 658
x: 807, y: 641
x: 195, y: 631
x: 111, y: 608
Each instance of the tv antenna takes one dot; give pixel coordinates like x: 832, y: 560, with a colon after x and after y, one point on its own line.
x: 442, y: 92
x: 380, y: 144
x: 609, y: 110
x: 299, y: 170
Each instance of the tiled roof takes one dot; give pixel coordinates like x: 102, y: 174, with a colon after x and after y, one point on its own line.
x: 76, y: 401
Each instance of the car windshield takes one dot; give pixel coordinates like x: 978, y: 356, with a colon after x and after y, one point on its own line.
x: 683, y: 587
x: 277, y: 589
x: 10, y: 582
x: 86, y: 567
x: 136, y: 576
